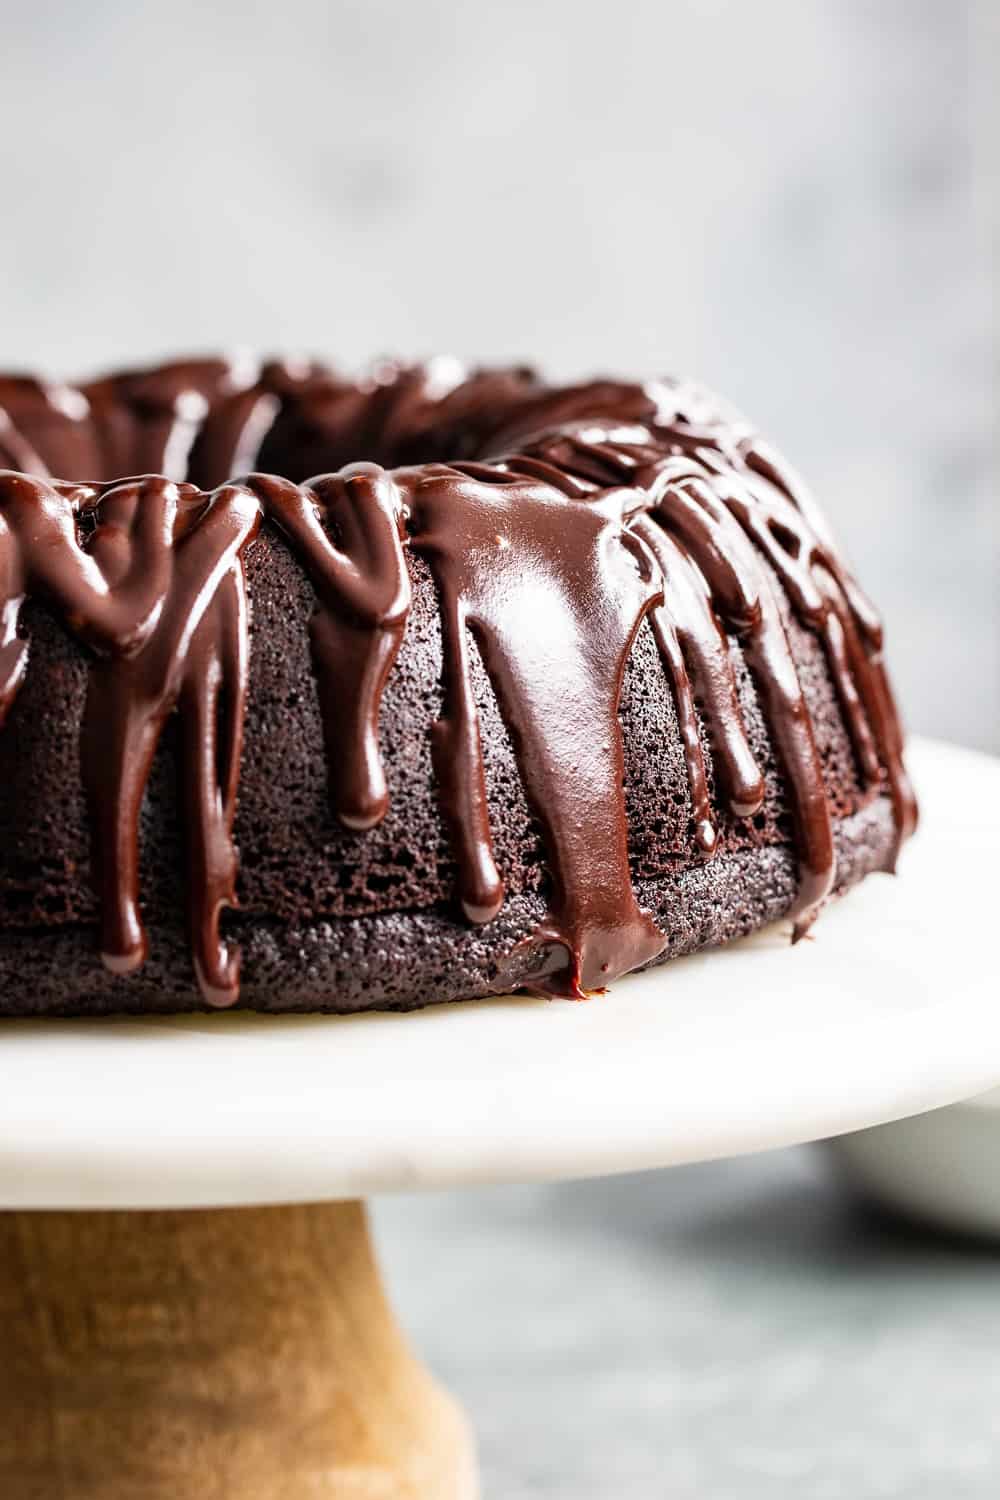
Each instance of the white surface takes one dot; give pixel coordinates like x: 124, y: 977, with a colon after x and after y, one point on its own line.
x: 891, y: 1010
x: 943, y: 1168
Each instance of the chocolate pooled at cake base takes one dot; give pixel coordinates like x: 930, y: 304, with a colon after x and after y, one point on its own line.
x: 532, y: 686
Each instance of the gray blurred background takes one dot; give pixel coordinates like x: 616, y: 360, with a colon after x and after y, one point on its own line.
x: 793, y: 200
x: 789, y: 199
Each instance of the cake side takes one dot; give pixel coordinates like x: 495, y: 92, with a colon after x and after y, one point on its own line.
x: 329, y: 918
x: 401, y: 960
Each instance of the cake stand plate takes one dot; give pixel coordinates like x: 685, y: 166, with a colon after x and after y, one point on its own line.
x: 889, y: 1009
x: 248, y: 1351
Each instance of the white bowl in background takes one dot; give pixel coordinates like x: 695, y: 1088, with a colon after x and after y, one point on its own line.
x: 941, y: 1168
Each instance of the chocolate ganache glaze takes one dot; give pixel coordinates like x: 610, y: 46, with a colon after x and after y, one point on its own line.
x: 555, y: 523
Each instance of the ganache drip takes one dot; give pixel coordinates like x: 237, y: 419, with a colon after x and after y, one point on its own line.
x: 580, y: 513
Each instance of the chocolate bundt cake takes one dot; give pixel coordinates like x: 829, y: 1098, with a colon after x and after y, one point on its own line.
x: 533, y: 686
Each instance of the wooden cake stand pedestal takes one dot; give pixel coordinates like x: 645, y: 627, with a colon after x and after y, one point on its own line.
x: 241, y: 1353
x: 162, y: 1340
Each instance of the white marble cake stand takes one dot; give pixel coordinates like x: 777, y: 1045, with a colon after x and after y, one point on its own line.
x: 248, y: 1351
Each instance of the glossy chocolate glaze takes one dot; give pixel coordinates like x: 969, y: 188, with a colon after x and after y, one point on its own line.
x: 560, y: 522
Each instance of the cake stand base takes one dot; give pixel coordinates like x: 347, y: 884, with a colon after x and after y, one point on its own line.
x: 160, y: 1341
x: 236, y: 1354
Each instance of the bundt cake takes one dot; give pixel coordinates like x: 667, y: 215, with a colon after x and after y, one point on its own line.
x: 533, y: 686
